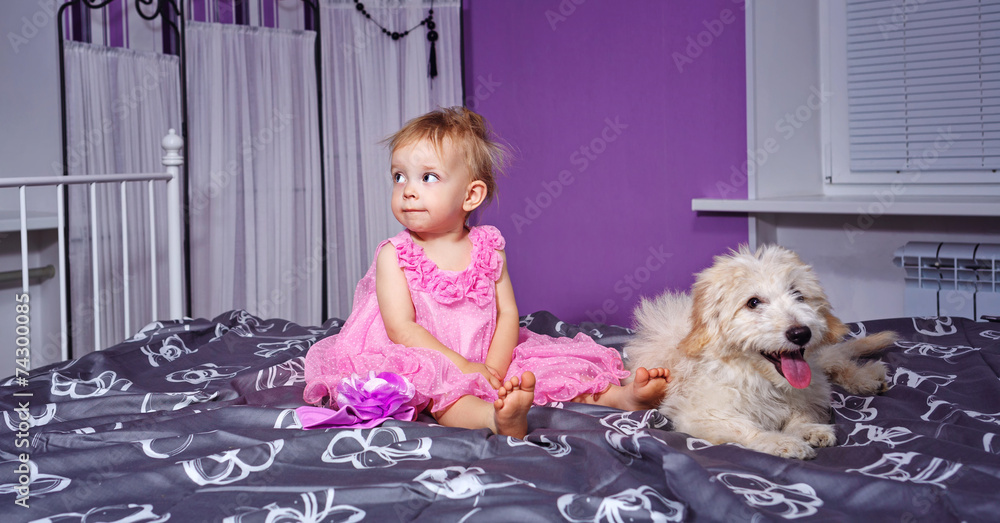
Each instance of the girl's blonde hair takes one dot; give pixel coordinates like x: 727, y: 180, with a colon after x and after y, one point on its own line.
x: 469, y: 133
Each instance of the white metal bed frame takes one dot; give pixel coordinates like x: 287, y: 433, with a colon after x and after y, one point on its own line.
x: 172, y: 161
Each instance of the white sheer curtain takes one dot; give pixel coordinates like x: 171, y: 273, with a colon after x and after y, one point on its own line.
x: 372, y: 85
x: 254, y: 165
x: 119, y: 105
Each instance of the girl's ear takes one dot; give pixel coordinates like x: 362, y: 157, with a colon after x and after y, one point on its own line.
x: 475, y: 194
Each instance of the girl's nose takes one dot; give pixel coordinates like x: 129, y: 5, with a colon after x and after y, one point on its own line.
x: 409, y: 191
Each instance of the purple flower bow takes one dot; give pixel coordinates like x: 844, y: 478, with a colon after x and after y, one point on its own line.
x: 363, y: 403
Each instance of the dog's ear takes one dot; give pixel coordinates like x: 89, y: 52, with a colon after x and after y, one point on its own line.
x: 699, y: 336
x: 835, y: 329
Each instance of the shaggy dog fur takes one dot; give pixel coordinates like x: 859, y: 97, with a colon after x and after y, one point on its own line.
x: 751, y: 353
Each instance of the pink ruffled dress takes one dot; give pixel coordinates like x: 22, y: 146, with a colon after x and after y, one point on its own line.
x: 459, y: 309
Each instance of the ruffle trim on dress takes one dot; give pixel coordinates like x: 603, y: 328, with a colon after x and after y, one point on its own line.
x: 475, y: 282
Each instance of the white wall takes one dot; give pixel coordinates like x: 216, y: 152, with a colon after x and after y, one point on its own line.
x: 30, y: 144
x: 785, y: 54
x: 854, y: 263
x: 856, y: 269
x: 30, y: 139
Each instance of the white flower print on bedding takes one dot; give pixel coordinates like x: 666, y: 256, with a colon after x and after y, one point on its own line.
x: 701, y: 444
x: 232, y: 465
x: 991, y: 443
x: 41, y: 483
x: 916, y: 380
x: 169, y: 401
x: 628, y: 428
x: 164, y: 453
x: 380, y: 448
x: 641, y: 504
x: 935, y: 351
x: 15, y: 380
x: 243, y: 317
x: 282, y: 375
x: 310, y: 512
x: 248, y: 324
x: 934, y: 326
x: 864, y: 435
x: 220, y: 331
x: 630, y: 422
x: 788, y: 501
x: 170, y: 349
x: 146, y: 332
x: 131, y: 513
x: 853, y: 408
x: 267, y: 350
x: 626, y: 444
x: 458, y: 482
x: 79, y: 388
x: 14, y: 418
x: 911, y: 467
x: 287, y: 420
x: 204, y: 374
x: 558, y: 448
x: 942, y: 411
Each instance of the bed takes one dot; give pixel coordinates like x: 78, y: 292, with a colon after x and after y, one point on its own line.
x: 193, y: 420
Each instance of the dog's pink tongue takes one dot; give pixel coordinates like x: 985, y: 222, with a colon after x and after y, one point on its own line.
x: 795, y: 369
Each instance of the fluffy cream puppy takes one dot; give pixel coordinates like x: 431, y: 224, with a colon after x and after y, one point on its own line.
x: 750, y: 351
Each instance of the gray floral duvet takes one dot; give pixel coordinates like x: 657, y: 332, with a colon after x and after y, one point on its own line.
x: 194, y: 421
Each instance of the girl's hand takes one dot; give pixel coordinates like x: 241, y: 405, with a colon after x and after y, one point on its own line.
x: 490, y: 374
x: 496, y: 374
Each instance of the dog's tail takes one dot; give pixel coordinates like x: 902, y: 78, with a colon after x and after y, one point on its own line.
x: 660, y: 324
x: 867, y: 345
x: 840, y: 364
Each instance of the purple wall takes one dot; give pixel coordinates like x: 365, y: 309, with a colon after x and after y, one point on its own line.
x: 618, y: 120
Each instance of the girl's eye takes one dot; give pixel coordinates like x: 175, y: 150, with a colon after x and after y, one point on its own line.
x: 431, y: 178
x: 397, y: 177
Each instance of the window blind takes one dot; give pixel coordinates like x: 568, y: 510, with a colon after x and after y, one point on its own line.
x: 923, y: 80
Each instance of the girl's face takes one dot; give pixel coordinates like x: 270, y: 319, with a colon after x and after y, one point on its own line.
x: 430, y: 193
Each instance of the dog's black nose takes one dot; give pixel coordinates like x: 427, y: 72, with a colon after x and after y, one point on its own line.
x: 798, y: 335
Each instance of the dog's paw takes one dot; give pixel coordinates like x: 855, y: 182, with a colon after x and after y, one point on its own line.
x: 783, y: 445
x: 867, y: 379
x: 818, y: 435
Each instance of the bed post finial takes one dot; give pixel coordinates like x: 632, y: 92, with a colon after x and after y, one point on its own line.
x: 172, y: 144
x: 172, y: 160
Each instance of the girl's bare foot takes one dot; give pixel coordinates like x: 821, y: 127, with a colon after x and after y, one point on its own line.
x: 648, y: 388
x: 645, y: 391
x: 511, y: 408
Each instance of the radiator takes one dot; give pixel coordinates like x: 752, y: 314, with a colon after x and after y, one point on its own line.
x: 951, y: 279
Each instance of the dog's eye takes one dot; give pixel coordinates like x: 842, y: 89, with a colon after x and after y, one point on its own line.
x: 798, y: 295
x: 752, y: 303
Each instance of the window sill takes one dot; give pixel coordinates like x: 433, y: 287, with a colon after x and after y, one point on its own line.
x: 10, y: 221
x: 817, y: 204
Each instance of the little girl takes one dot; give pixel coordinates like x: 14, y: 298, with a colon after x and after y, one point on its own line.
x: 437, y: 306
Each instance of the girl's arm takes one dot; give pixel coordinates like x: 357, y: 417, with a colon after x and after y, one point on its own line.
x: 508, y: 324
x: 396, y: 308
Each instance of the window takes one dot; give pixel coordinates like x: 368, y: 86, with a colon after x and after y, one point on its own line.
x: 922, y: 79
